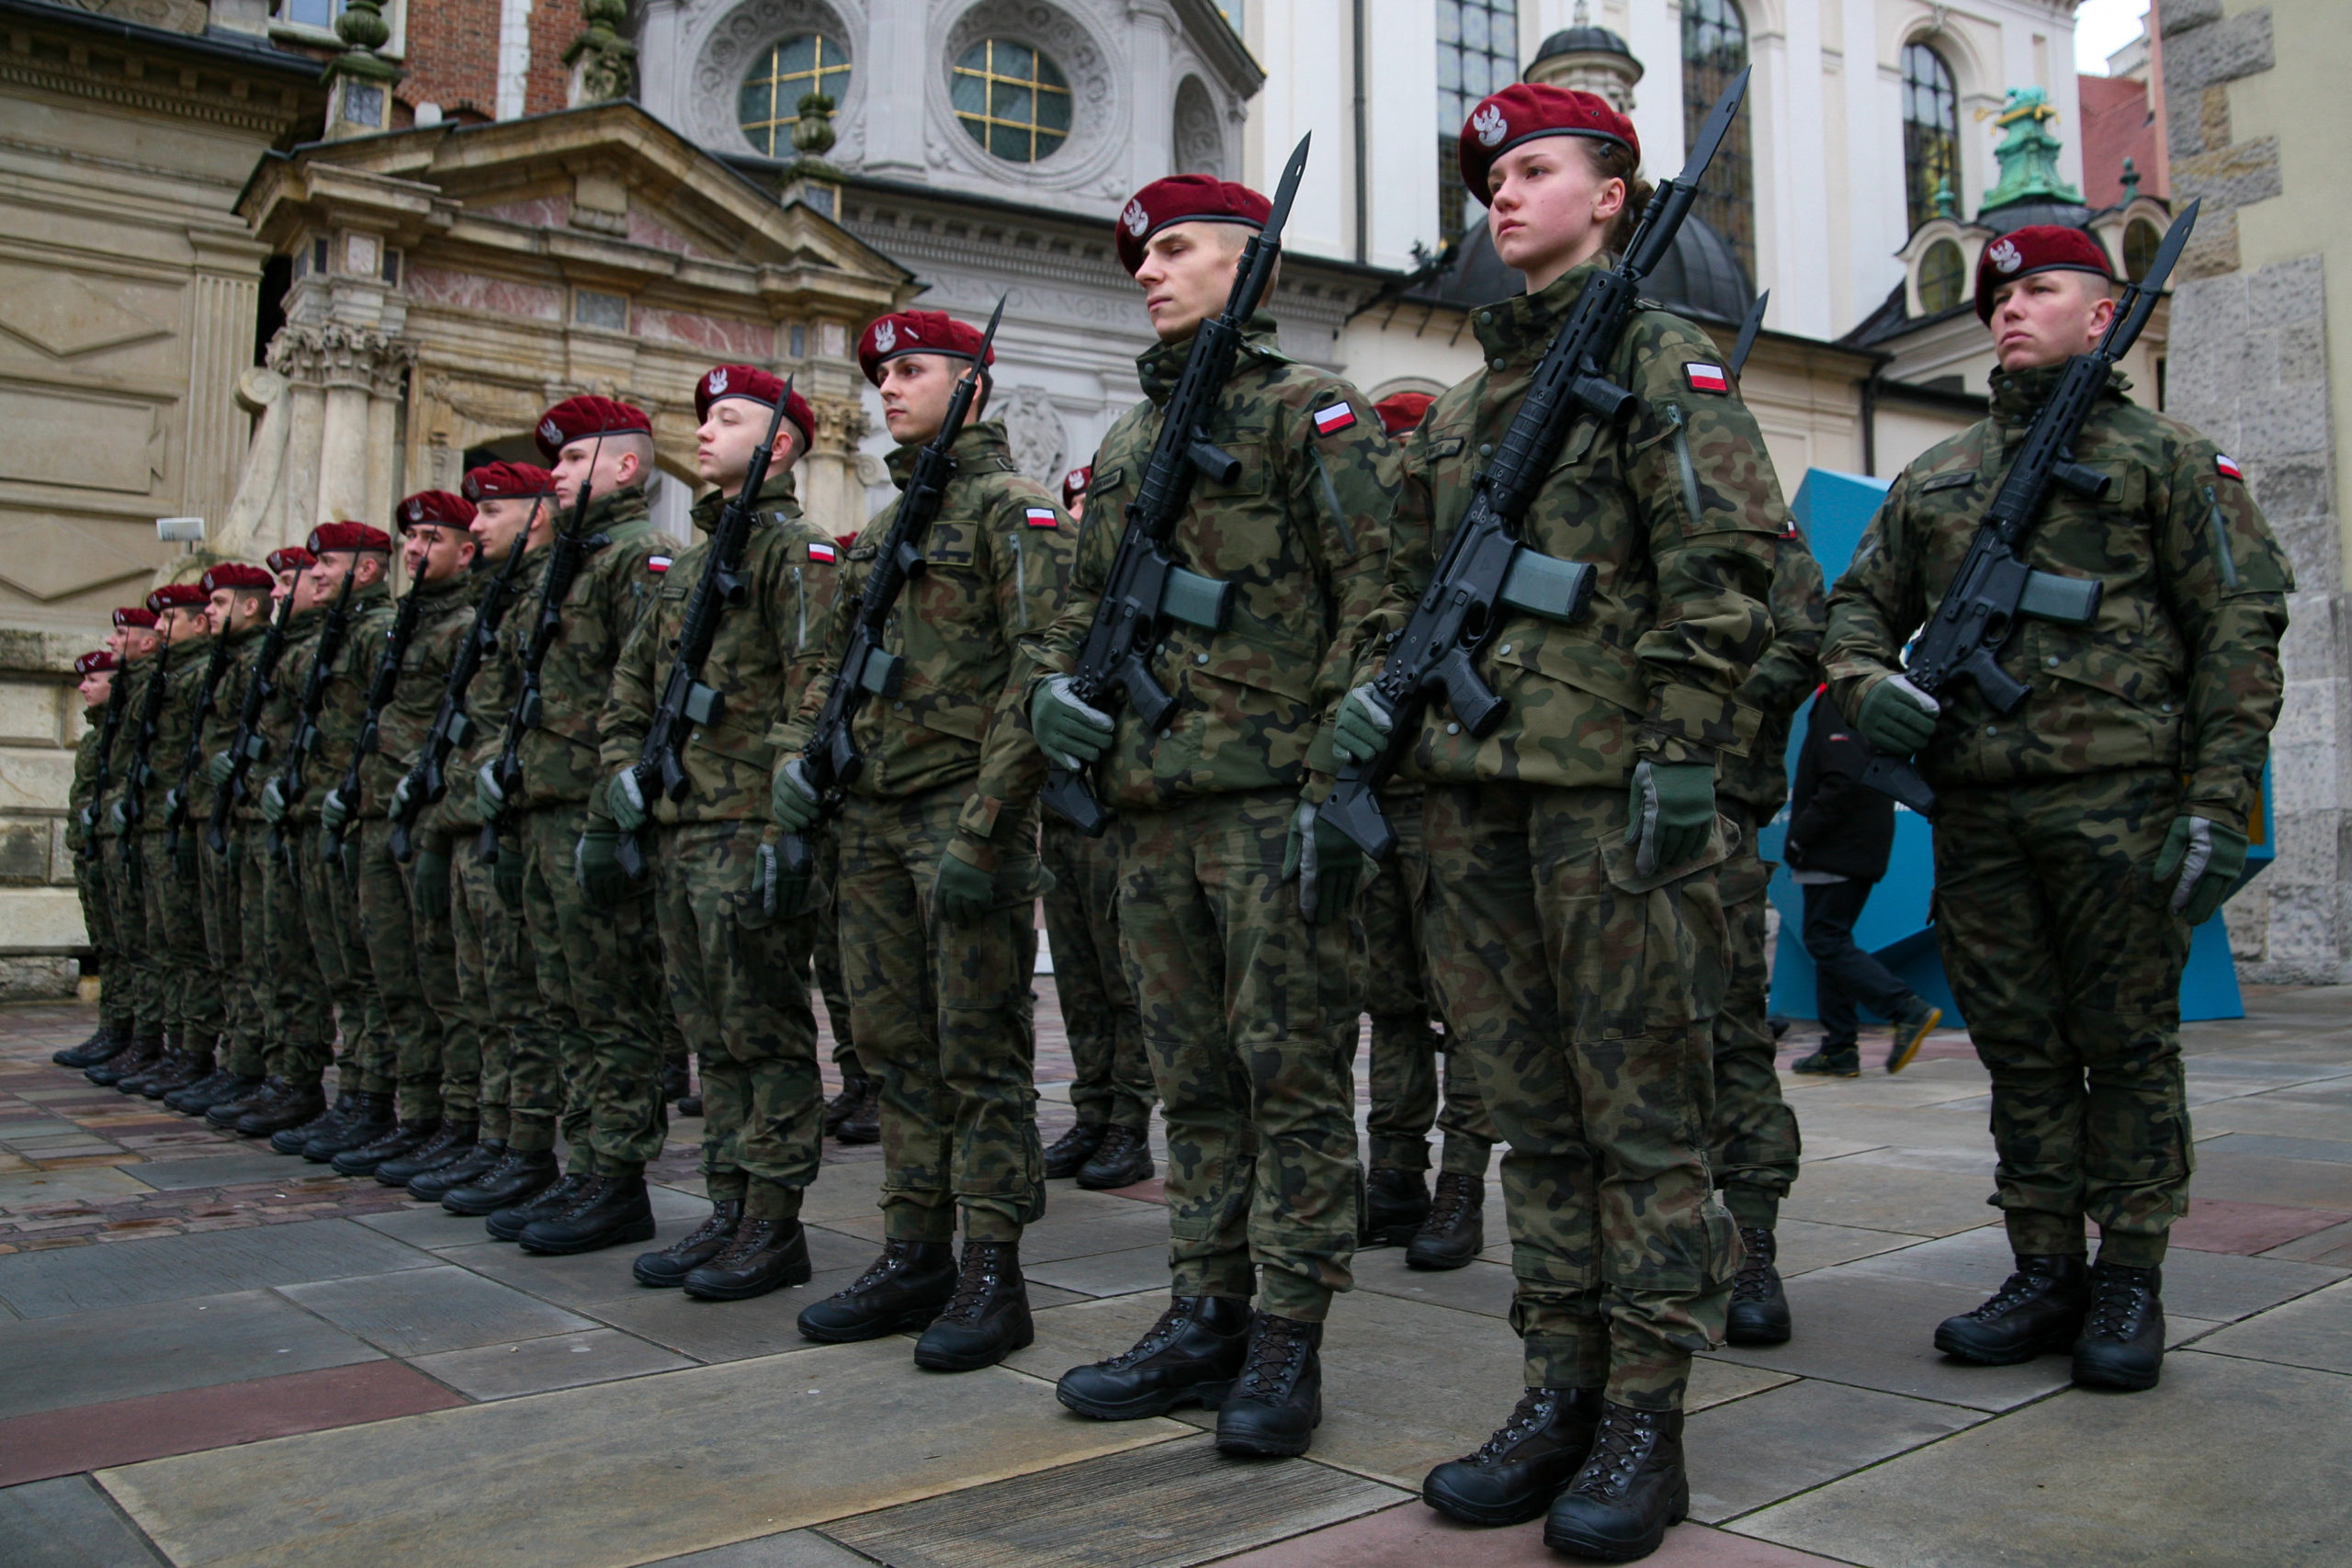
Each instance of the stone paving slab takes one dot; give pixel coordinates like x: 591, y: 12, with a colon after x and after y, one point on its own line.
x: 83, y: 1184
x: 91, y: 1358
x: 419, y: 1312
x: 2332, y: 1246
x: 1883, y: 1197
x: 616, y: 1474
x: 1483, y: 1287
x: 1874, y: 1331
x: 794, y: 1548
x: 2331, y: 1150
x: 603, y: 1276
x: 1805, y: 1245
x: 2262, y: 1178
x: 1749, y: 1453
x: 1106, y: 1273
x: 222, y: 1171
x: 69, y: 1522
x: 2215, y: 1224
x: 538, y: 1365
x: 41, y: 1284
x: 2311, y: 1331
x: 1412, y: 1536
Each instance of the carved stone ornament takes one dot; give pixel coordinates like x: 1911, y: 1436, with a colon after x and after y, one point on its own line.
x: 339, y: 356
x: 1040, y: 442
x: 1200, y: 140
x: 1093, y: 66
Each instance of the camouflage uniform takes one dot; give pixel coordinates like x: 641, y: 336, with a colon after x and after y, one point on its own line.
x: 115, y: 1011
x: 828, y: 956
x: 1247, y: 1009
x: 1754, y: 1138
x: 737, y: 978
x: 941, y: 1012
x: 299, y: 1005
x: 143, y: 960
x: 232, y: 938
x: 192, y: 1003
x: 1574, y: 982
x: 1112, y: 1087
x: 2063, y: 950
x: 599, y: 970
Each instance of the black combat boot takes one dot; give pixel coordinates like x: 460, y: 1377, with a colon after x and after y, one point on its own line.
x: 863, y: 1123
x: 690, y: 1106
x: 470, y: 1167
x: 1065, y: 1156
x: 208, y: 1090
x: 191, y: 1068
x: 766, y: 1253
x: 300, y: 1102
x: 1457, y: 1229
x: 291, y: 1140
x: 1396, y: 1204
x: 2122, y: 1342
x: 668, y: 1268
x: 2037, y: 1309
x: 225, y: 1112
x: 371, y: 1116
x: 144, y: 1052
x: 1631, y: 1487
x: 1829, y: 1064
x: 1277, y: 1402
x: 1522, y: 1467
x: 509, y: 1220
x: 105, y: 1043
x: 405, y: 1138
x: 1760, y: 1308
x: 175, y: 1057
x: 450, y: 1143
x: 519, y: 1174
x: 839, y: 1109
x: 988, y: 1317
x: 611, y: 1210
x: 902, y: 1289
x: 1123, y: 1159
x: 1189, y: 1357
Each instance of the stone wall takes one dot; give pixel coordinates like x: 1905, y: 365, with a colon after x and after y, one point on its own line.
x: 40, y: 722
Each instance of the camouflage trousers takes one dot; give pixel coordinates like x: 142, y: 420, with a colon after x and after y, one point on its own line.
x: 1753, y: 1146
x: 1405, y: 1049
x: 453, y: 1094
x: 1249, y: 1013
x: 241, y: 1030
x: 332, y: 909
x: 298, y: 1009
x: 739, y: 992
x: 498, y: 998
x: 830, y: 982
x: 1113, y: 1076
x: 141, y: 960
x: 192, y: 1007
x: 600, y: 985
x: 1577, y: 987
x: 407, y: 1059
x: 2065, y: 958
x: 116, y: 1007
x: 943, y: 1015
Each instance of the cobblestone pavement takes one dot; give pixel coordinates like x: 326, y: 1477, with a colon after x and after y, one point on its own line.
x: 210, y: 1354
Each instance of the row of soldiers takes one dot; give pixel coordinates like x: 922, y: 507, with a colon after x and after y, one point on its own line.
x: 505, y: 861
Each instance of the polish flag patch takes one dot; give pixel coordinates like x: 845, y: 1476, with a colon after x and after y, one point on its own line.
x: 1043, y: 517
x: 657, y: 563
x: 1706, y: 378
x: 1335, y: 419
x: 2228, y: 466
x: 821, y: 552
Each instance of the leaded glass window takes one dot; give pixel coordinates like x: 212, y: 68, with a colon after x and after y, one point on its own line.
x: 769, y: 102
x: 1714, y: 49
x: 1477, y: 53
x: 1013, y: 100
x: 1931, y: 130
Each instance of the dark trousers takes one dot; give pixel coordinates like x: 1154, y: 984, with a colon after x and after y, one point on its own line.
x: 1843, y: 974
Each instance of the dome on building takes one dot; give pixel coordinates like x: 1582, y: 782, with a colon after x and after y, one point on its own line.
x: 1701, y: 276
x: 1581, y: 41
x: 2025, y: 214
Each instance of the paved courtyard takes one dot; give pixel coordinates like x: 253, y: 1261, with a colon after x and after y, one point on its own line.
x: 210, y: 1354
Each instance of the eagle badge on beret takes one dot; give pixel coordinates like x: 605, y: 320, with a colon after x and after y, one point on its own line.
x: 1489, y: 126
x: 886, y: 337
x: 550, y: 432
x: 2006, y: 256
x: 719, y: 382
x: 1135, y: 219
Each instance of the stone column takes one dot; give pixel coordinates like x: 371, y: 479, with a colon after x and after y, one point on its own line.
x: 832, y: 490
x: 342, y: 451
x: 223, y: 297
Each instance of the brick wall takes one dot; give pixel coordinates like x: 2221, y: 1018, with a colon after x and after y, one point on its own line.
x: 554, y: 24
x: 452, y: 56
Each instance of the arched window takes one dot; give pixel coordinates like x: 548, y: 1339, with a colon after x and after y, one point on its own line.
x: 1714, y: 48
x: 779, y: 78
x: 1931, y: 130
x: 1943, y: 278
x: 1477, y: 53
x: 2141, y: 243
x: 1013, y: 100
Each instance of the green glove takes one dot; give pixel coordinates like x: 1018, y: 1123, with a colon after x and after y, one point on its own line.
x: 429, y: 884
x: 506, y: 876
x: 273, y: 802
x: 791, y: 800
x: 219, y: 769
x: 1359, y: 731
x: 1897, y: 716
x: 1327, y: 863
x: 595, y: 862
x: 333, y: 813
x: 2201, y: 858
x: 1673, y: 809
x: 624, y: 800
x: 1071, y: 734
x: 964, y: 892
x: 488, y: 799
x: 772, y: 896
x: 400, y: 793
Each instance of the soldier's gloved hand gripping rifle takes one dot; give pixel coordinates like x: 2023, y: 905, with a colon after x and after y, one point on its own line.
x: 246, y: 743
x: 831, y: 760
x: 176, y: 804
x: 685, y: 701
x: 292, y: 782
x: 1147, y: 587
x: 380, y: 689
x: 1994, y: 587
x: 1486, y: 572
x: 428, y: 779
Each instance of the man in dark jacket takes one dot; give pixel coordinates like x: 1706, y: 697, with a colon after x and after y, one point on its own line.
x: 1839, y: 836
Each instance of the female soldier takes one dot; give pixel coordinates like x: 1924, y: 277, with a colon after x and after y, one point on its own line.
x: 1573, y: 925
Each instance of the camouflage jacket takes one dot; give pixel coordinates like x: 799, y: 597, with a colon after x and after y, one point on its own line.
x: 220, y: 719
x: 277, y: 708
x: 1781, y: 682
x: 765, y: 654
x: 86, y: 774
x: 174, y: 723
x: 443, y: 612
x: 2179, y: 669
x: 997, y: 561
x: 562, y: 755
x: 490, y: 698
x: 343, y: 698
x: 133, y: 677
x: 1301, y: 535
x: 1676, y: 511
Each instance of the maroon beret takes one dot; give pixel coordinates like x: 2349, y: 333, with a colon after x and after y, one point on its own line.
x: 1400, y: 412
x: 756, y: 386
x: 915, y: 332
x: 137, y: 615
x: 178, y: 596
x: 579, y: 419
x: 1185, y: 198
x: 293, y: 557
x: 329, y: 537
x: 1074, y: 483
x: 433, y: 509
x: 1527, y: 111
x: 503, y: 482
x: 2040, y: 247
x: 236, y: 574
x: 97, y: 662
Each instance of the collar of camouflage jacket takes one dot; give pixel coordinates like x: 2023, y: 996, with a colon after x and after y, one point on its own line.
x: 1161, y: 366
x: 1527, y: 324
x: 978, y: 448
x: 619, y: 515
x: 458, y: 585
x: 776, y: 494
x: 2017, y: 398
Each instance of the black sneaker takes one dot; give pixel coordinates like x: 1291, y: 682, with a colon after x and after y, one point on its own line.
x: 2122, y: 1343
x: 1521, y: 1468
x: 1911, y: 1030
x: 2038, y: 1309
x: 1830, y: 1065
x: 1760, y: 1308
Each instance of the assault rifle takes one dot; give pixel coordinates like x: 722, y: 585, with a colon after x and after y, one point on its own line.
x: 291, y: 782
x: 176, y: 804
x: 867, y: 669
x: 1994, y: 588
x: 1147, y: 587
x: 117, y: 702
x: 1485, y: 571
x: 452, y: 727
x: 246, y: 743
x: 685, y: 700
x: 379, y: 697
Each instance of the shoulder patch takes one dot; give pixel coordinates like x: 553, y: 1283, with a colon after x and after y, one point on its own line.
x: 2228, y: 466
x: 822, y: 550
x: 1333, y: 418
x: 656, y: 564
x: 1041, y: 517
x: 1948, y: 481
x: 1706, y: 378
